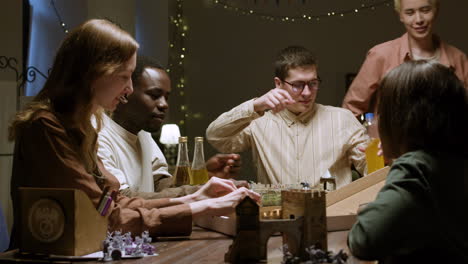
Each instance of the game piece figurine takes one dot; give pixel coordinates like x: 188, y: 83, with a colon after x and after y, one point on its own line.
x: 314, y: 256
x: 117, y: 246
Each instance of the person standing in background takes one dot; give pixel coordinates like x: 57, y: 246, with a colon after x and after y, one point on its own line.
x: 419, y: 42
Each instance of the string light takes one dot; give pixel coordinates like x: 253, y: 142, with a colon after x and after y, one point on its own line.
x: 304, y: 16
x: 179, y: 30
x: 59, y: 18
x: 177, y: 55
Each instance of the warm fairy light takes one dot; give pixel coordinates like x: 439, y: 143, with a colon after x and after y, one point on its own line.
x: 59, y: 18
x: 180, y: 31
x: 304, y: 17
x: 178, y: 54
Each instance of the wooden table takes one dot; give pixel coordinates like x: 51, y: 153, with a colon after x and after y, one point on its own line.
x: 205, y: 247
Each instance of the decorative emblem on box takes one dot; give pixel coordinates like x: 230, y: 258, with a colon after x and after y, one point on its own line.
x: 46, y: 220
x: 59, y: 221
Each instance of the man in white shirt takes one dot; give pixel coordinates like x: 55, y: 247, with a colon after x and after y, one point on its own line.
x: 127, y: 148
x: 292, y: 138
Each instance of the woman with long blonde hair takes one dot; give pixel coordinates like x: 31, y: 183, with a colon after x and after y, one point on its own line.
x: 56, y: 142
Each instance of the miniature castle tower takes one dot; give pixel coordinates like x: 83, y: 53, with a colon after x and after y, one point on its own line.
x: 303, y: 225
x: 311, y: 205
x: 247, y: 238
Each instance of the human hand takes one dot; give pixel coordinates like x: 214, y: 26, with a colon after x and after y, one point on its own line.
x: 224, y: 166
x: 239, y: 184
x: 276, y: 99
x: 223, y: 205
x: 215, y: 187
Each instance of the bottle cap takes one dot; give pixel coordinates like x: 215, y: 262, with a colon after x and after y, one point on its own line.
x: 182, y: 139
x: 197, y: 139
x: 369, y: 116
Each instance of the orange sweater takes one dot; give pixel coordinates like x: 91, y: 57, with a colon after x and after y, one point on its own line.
x: 46, y: 156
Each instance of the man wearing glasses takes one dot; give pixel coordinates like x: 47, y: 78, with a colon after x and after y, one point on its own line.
x: 293, y: 139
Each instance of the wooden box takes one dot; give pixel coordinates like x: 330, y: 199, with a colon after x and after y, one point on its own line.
x: 342, y: 204
x: 222, y: 224
x: 59, y: 222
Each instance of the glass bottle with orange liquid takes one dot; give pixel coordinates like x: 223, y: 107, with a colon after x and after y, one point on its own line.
x: 182, y: 171
x: 374, y: 161
x: 199, y: 171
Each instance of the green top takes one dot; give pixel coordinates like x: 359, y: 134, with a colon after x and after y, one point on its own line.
x: 419, y: 216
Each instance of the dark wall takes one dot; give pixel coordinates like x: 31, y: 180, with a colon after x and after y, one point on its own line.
x: 230, y: 56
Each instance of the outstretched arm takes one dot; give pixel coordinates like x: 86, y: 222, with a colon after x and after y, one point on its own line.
x: 217, y: 197
x: 230, y: 132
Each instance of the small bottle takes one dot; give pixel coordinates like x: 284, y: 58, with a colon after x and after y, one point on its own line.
x: 182, y: 171
x: 374, y: 162
x: 199, y: 171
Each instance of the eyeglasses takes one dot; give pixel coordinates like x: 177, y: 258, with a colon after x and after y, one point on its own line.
x: 298, y: 87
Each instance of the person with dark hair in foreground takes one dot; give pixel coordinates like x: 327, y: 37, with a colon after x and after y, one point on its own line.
x: 420, y: 214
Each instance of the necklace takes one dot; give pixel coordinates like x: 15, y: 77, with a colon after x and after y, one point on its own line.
x: 435, y: 54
